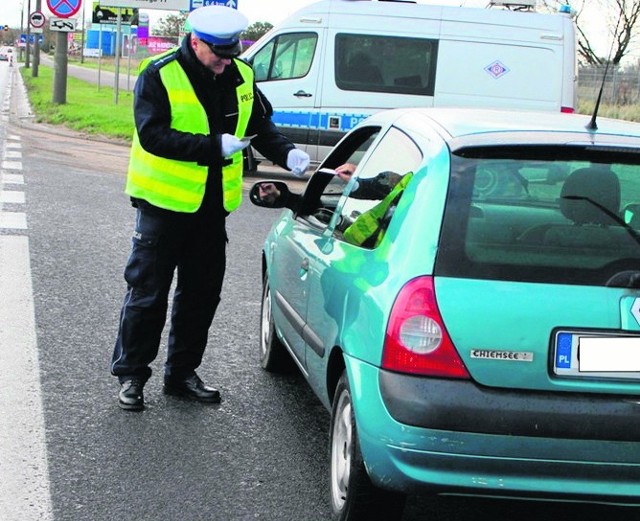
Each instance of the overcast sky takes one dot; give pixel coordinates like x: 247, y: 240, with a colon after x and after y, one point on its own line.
x: 271, y: 11
x: 274, y: 11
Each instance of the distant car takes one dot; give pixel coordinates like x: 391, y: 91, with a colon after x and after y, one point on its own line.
x: 467, y: 306
x: 5, y: 53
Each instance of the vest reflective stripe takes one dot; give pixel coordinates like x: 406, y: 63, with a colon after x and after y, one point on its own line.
x: 232, y: 174
x: 369, y: 223
x: 180, y: 185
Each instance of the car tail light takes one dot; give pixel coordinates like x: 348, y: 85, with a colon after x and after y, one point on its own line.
x: 567, y: 110
x: 416, y: 340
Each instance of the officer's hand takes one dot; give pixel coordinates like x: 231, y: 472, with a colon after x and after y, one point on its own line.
x: 230, y: 144
x: 297, y: 161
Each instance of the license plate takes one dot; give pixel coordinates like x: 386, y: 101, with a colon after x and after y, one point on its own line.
x: 588, y: 354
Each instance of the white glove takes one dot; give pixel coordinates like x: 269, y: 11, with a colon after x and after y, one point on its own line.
x: 297, y: 161
x: 230, y: 144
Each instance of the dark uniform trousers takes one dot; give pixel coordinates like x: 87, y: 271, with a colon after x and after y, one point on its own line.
x: 163, y: 241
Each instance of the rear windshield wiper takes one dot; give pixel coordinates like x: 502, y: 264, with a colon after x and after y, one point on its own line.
x: 634, y: 234
x: 624, y: 279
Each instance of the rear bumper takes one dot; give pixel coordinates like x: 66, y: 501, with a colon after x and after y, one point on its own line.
x: 464, y: 406
x: 450, y: 453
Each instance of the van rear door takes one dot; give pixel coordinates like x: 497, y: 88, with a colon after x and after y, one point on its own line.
x: 506, y: 61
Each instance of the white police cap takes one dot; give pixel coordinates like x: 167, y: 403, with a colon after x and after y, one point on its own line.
x: 220, y: 27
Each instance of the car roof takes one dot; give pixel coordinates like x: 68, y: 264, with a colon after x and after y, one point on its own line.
x: 476, y: 127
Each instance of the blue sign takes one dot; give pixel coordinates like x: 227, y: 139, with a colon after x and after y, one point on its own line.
x: 32, y: 38
x: 201, y: 3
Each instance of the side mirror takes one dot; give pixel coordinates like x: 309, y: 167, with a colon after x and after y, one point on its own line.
x: 270, y: 194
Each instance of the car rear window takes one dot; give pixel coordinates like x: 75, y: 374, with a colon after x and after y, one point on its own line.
x: 568, y: 215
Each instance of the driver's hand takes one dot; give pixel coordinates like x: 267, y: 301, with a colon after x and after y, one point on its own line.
x: 345, y: 171
x: 268, y: 192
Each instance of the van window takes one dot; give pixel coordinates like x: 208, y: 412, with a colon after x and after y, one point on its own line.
x: 541, y: 214
x: 285, y: 57
x: 385, y: 64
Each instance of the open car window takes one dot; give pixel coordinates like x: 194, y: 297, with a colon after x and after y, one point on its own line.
x: 323, y: 192
x: 371, y: 197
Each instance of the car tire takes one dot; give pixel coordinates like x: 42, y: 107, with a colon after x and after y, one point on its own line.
x: 353, y: 496
x: 274, y: 356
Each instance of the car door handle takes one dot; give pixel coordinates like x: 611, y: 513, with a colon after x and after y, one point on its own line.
x: 302, y: 94
x: 304, y: 268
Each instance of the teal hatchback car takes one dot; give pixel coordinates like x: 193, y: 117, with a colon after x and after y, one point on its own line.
x: 467, y: 306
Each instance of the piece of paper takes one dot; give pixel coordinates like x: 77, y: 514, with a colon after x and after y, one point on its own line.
x: 247, y: 139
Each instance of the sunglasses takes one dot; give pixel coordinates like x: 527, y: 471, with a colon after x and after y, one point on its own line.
x: 215, y: 49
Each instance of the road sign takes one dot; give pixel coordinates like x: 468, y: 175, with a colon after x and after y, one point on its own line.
x: 64, y: 8
x: 167, y: 5
x: 201, y: 3
x: 32, y: 38
x: 37, y: 19
x: 65, y: 25
x: 109, y: 15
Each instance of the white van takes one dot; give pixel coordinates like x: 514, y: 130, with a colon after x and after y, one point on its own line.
x: 335, y: 62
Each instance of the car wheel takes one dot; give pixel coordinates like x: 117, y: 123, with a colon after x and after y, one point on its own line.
x: 353, y: 495
x: 273, y: 354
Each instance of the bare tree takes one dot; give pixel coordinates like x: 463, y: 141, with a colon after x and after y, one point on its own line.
x: 621, y: 18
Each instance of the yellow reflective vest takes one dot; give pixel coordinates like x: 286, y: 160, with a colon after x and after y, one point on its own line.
x: 180, y: 185
x: 368, y: 228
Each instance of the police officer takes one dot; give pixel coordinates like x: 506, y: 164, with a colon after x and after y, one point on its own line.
x: 193, y: 107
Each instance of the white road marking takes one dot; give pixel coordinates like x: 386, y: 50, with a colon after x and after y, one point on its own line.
x: 24, y: 473
x: 11, y: 154
x: 13, y: 179
x: 11, y: 165
x: 12, y: 197
x: 13, y: 220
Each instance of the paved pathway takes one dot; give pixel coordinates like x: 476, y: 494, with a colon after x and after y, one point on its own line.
x: 100, y: 77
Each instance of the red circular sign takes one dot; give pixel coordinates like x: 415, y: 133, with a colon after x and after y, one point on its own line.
x: 64, y: 8
x: 37, y: 19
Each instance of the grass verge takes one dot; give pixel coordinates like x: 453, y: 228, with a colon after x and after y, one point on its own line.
x: 87, y: 109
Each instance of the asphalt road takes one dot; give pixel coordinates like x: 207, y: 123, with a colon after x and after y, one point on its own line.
x: 69, y: 451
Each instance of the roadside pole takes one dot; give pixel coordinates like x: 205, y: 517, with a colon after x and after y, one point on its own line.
x: 116, y: 86
x: 61, y: 61
x: 26, y: 59
x: 62, y: 25
x: 36, y: 46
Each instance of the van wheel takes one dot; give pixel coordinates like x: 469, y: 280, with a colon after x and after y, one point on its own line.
x: 353, y: 496
x: 273, y: 354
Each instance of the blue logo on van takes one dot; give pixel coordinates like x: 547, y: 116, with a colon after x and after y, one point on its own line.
x: 496, y: 69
